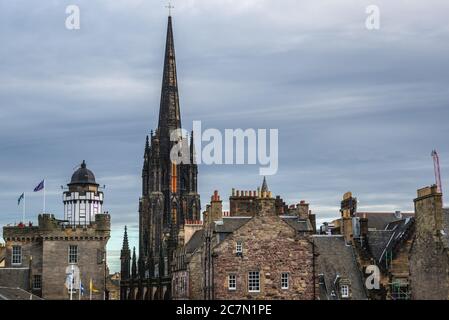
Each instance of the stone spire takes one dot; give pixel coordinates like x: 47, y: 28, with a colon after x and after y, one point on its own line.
x: 169, y: 114
x: 264, y: 185
x: 125, y: 246
x: 147, y: 144
x: 125, y: 257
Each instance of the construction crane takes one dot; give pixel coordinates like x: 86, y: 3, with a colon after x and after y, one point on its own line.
x: 436, y: 167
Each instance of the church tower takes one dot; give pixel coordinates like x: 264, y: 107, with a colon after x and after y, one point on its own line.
x: 169, y: 190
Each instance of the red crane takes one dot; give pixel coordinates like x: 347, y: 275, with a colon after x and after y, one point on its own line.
x: 436, y: 167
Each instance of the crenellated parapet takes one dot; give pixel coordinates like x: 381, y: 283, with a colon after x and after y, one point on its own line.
x: 50, y: 228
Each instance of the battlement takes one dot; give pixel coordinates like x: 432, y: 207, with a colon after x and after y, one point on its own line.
x: 247, y: 194
x: 51, y: 228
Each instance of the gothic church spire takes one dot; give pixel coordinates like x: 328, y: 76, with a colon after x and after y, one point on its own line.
x: 169, y: 114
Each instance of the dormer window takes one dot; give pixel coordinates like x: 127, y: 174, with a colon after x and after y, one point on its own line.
x: 239, y: 248
x: 344, y: 291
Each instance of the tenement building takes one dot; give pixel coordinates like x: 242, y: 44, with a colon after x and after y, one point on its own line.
x: 254, y: 253
x: 381, y: 239
x: 169, y: 195
x: 56, y: 258
x: 410, y: 250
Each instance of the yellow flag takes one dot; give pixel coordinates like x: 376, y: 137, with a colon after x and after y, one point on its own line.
x: 91, y: 286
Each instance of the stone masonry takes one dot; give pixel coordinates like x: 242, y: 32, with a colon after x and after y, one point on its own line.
x: 429, y: 256
x: 45, y: 253
x: 271, y: 247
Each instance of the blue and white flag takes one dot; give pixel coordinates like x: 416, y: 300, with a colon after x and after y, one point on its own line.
x: 22, y: 196
x: 81, y: 288
x: 40, y: 186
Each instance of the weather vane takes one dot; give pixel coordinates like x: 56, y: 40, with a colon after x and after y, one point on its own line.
x: 169, y: 6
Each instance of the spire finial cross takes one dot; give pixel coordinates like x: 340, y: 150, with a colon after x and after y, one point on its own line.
x: 169, y: 6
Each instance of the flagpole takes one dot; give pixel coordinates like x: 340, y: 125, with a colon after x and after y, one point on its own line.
x: 23, y: 207
x: 90, y: 289
x: 79, y: 293
x: 71, y: 285
x: 44, y: 196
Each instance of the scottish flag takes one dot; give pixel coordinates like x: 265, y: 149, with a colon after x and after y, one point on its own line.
x: 22, y: 196
x: 40, y: 186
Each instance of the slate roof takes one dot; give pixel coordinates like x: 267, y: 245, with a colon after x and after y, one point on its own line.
x: 380, y: 220
x: 378, y: 241
x: 382, y: 241
x: 336, y: 259
x: 7, y: 293
x: 195, y: 241
x: 300, y: 225
x: 230, y: 224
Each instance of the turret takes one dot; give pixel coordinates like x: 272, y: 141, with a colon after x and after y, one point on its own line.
x: 125, y: 257
x: 83, y: 200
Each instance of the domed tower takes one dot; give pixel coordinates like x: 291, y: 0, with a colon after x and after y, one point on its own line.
x: 83, y: 200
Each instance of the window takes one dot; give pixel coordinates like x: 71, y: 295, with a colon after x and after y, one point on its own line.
x: 232, y: 282
x: 69, y: 212
x: 82, y: 208
x: 73, y: 254
x: 239, y: 247
x: 183, y: 285
x: 284, y: 280
x: 254, y: 281
x: 16, y: 255
x: 344, y: 289
x: 37, y: 282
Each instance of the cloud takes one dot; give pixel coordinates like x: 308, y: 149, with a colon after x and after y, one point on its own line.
x: 356, y: 110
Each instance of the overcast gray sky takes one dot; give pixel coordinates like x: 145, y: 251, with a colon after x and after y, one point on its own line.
x: 356, y: 109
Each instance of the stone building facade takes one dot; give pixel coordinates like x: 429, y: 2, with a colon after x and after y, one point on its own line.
x: 266, y: 258
x: 255, y: 253
x: 40, y: 258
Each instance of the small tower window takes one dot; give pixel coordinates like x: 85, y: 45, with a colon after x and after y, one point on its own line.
x: 344, y: 290
x: 16, y: 255
x: 284, y: 280
x: 239, y: 247
x: 73, y: 254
